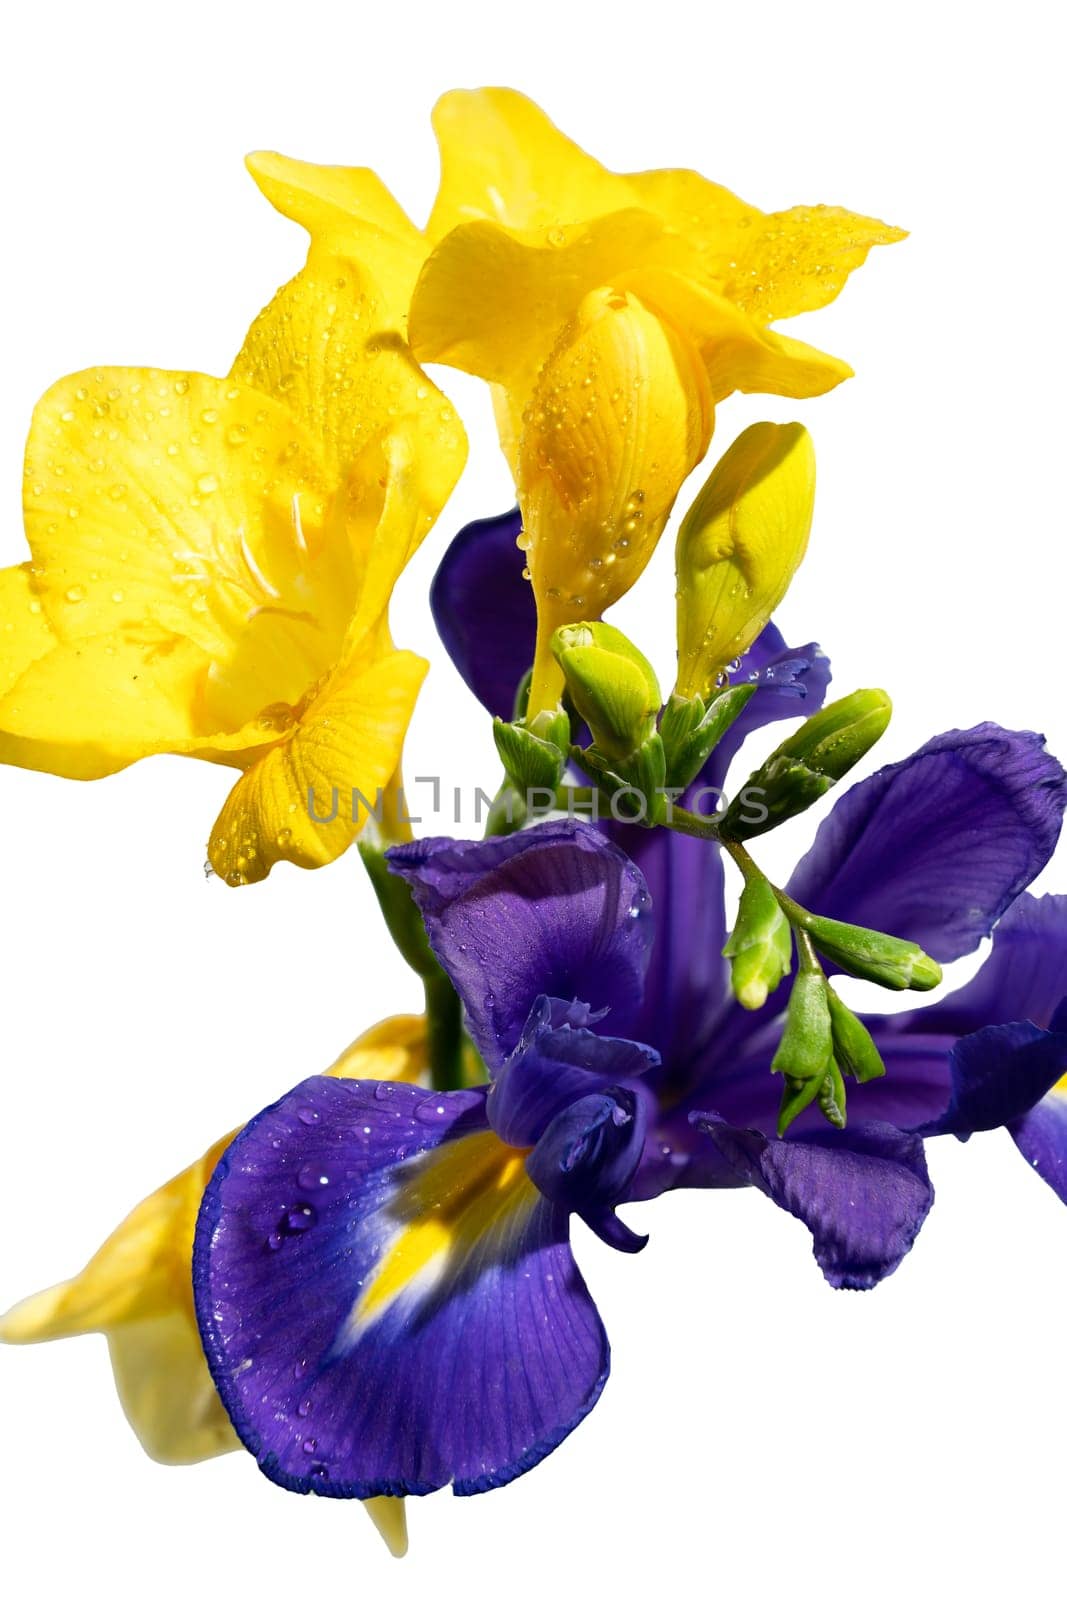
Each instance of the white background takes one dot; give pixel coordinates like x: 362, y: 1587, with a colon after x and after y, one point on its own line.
x: 760, y: 1433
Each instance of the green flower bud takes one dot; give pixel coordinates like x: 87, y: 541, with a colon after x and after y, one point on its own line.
x: 879, y: 957
x: 805, y: 1054
x: 854, y: 1050
x: 760, y: 948
x: 690, y: 731
x: 611, y: 684
x: 534, y: 757
x: 811, y: 761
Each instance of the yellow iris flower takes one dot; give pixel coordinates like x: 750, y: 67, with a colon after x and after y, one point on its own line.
x: 601, y: 416
x: 137, y: 1290
x: 212, y: 561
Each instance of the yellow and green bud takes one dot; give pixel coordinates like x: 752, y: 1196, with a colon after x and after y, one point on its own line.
x: 760, y: 948
x: 738, y: 547
x: 534, y: 756
x: 611, y: 684
x: 809, y: 763
x: 878, y: 957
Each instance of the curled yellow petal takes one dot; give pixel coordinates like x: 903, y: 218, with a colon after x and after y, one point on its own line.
x: 503, y: 158
x: 137, y: 1290
x: 349, y: 211
x: 306, y: 799
x: 799, y: 260
x: 323, y: 349
x: 738, y: 547
x: 620, y: 416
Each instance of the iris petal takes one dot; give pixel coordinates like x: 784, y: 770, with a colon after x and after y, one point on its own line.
x: 387, y: 1302
x: 864, y: 1193
x: 936, y: 847
x: 554, y: 910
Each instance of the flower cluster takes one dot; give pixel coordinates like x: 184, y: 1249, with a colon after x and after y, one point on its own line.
x: 370, y: 1285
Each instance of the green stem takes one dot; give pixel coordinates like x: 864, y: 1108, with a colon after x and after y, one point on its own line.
x: 444, y: 1032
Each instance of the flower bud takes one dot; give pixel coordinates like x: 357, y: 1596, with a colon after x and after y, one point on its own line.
x: 811, y: 761
x: 534, y: 756
x: 739, y: 545
x: 690, y: 731
x: 879, y: 957
x: 619, y: 416
x: 612, y: 685
x: 854, y: 1050
x: 760, y: 948
x: 805, y: 1054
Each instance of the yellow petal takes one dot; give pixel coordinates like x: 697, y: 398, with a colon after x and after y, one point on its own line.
x: 502, y: 158
x: 799, y: 260
x: 161, y: 504
x: 395, y: 1050
x: 620, y: 416
x: 88, y: 709
x: 166, y: 1391
x: 25, y: 635
x: 493, y: 305
x: 738, y: 354
x: 350, y: 211
x: 137, y: 1290
x: 322, y: 347
x: 300, y: 801
x: 739, y: 546
x: 389, y: 1515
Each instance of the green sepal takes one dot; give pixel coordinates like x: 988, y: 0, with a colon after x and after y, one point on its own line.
x: 611, y: 685
x: 643, y: 770
x: 808, y: 763
x: 690, y: 730
x: 879, y: 957
x: 534, y: 757
x: 760, y: 948
x: 854, y: 1050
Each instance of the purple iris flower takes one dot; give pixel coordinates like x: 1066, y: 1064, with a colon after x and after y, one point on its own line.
x: 383, y: 1276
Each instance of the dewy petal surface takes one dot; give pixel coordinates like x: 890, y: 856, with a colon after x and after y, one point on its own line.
x: 347, y: 211
x: 554, y: 910
x: 387, y: 1303
x: 936, y: 847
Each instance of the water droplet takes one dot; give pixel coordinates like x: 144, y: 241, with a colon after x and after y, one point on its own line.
x: 304, y: 1408
x: 301, y: 1218
x: 310, y: 1446
x: 208, y: 483
x: 312, y: 1176
x: 75, y: 594
x: 181, y: 386
x: 308, y: 1115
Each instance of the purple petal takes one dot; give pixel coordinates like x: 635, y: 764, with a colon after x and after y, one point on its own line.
x: 688, y: 982
x: 484, y: 610
x: 557, y: 1061
x: 1041, y: 1135
x: 937, y: 847
x: 386, y: 1302
x: 864, y: 1193
x: 997, y: 1074
x: 1023, y: 979
x: 586, y: 1158
x: 554, y: 910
